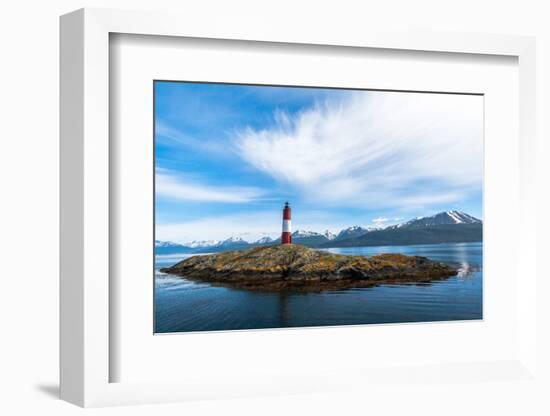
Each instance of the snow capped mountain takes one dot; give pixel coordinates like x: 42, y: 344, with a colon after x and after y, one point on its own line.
x: 352, y: 232
x: 309, y: 238
x: 462, y: 218
x: 304, y: 234
x: 169, y: 247
x: 202, y: 243
x: 442, y: 218
x: 435, y: 230
x: 159, y: 244
x: 233, y: 240
x: 198, y: 245
x: 264, y: 240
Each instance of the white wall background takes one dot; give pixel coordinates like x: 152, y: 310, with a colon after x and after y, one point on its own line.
x: 29, y: 207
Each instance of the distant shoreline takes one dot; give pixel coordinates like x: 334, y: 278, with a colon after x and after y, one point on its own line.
x: 440, y: 228
x: 324, y: 248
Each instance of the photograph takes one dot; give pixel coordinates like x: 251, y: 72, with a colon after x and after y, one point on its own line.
x: 292, y: 206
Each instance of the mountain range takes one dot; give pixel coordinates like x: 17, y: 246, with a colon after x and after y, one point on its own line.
x: 444, y: 227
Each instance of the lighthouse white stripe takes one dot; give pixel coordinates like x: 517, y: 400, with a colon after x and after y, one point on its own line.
x: 286, y: 226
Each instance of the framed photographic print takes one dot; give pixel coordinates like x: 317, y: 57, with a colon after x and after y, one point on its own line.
x: 320, y: 199
x: 380, y: 186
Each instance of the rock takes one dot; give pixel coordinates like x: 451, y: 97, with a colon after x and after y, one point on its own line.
x: 296, y: 267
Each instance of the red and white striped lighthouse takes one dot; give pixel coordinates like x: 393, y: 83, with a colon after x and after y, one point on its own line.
x: 286, y: 238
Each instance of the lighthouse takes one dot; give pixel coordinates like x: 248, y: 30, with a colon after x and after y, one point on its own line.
x: 286, y: 237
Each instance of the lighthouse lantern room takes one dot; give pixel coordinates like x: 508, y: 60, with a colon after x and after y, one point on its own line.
x: 286, y: 237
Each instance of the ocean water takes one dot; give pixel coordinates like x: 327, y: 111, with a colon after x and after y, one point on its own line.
x: 182, y: 305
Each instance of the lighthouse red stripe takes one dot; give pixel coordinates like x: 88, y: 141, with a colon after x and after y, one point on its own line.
x: 286, y: 214
x: 286, y: 236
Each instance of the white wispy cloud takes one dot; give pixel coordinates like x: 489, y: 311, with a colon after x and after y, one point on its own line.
x: 174, y: 187
x: 377, y: 149
x: 171, y: 136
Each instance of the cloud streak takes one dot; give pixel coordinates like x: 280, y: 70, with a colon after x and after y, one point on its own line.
x: 178, y: 139
x: 380, y: 149
x: 175, y: 188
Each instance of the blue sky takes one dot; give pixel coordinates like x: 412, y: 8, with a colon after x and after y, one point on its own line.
x: 228, y: 156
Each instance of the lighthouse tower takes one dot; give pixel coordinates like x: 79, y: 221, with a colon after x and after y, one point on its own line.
x: 286, y: 237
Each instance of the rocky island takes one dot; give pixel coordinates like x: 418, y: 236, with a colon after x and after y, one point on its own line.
x: 296, y: 267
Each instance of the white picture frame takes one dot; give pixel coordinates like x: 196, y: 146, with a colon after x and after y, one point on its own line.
x: 85, y: 205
